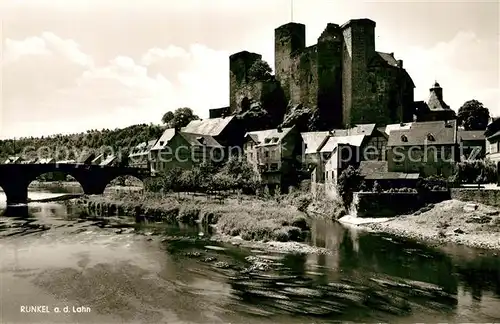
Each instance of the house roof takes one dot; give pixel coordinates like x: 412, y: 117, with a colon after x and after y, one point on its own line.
x: 200, y: 140
x: 97, y: 158
x: 331, y: 144
x: 268, y: 136
x: 418, y: 134
x: 369, y: 167
x: 167, y: 135
x: 359, y: 129
x: 464, y: 135
x: 388, y: 58
x: 392, y: 176
x: 110, y: 159
x: 212, y: 126
x: 46, y: 161
x: 313, y: 140
x: 392, y: 127
x: 143, y: 148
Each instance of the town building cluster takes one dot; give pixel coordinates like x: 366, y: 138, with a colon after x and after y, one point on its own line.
x: 366, y: 98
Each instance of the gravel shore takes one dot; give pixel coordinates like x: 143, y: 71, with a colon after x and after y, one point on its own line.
x: 451, y: 221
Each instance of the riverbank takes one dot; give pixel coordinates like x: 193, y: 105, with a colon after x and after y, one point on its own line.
x: 451, y: 221
x: 240, y: 217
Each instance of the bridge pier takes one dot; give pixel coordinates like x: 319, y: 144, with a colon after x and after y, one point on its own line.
x: 16, y: 193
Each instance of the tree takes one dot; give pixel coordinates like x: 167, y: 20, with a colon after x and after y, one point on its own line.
x: 260, y: 71
x: 349, y: 181
x: 473, y: 115
x: 167, y: 118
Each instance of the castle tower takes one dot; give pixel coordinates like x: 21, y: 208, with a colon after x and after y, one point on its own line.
x: 437, y: 91
x: 359, y: 48
x: 289, y: 40
x: 239, y: 64
x: 329, y: 69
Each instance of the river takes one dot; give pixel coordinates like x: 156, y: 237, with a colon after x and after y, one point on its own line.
x: 49, y: 257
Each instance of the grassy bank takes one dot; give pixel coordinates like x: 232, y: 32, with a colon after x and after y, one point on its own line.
x: 450, y: 221
x: 251, y: 218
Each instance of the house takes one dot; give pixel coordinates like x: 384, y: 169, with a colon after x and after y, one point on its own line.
x: 110, y: 160
x: 336, y: 153
x: 472, y: 144
x: 46, y: 161
x: 85, y: 157
x: 435, y: 109
x: 427, y: 148
x: 276, y: 155
x: 227, y: 131
x: 14, y: 160
x: 184, y: 150
x: 311, y: 141
x: 140, y: 155
x: 492, y: 135
x: 98, y: 159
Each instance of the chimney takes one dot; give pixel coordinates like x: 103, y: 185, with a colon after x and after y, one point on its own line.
x: 279, y: 129
x: 400, y: 64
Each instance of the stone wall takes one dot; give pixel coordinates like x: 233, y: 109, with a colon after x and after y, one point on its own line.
x: 391, y: 204
x: 483, y: 196
x: 385, y: 204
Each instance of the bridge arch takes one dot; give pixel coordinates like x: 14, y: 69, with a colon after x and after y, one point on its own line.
x: 49, y: 181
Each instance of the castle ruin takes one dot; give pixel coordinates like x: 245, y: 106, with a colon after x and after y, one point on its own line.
x: 342, y: 76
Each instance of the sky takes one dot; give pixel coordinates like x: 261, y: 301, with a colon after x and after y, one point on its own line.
x: 68, y: 66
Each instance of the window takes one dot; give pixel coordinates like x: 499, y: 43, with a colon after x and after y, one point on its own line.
x: 266, y: 154
x: 333, y: 175
x: 326, y: 175
x: 404, y: 138
x: 430, y: 137
x: 274, y: 166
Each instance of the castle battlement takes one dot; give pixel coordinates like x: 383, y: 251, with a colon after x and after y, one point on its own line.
x: 342, y: 76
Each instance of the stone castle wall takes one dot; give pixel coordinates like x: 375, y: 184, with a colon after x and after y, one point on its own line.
x: 342, y: 76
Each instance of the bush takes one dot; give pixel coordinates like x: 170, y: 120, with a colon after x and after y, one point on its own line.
x: 477, y: 172
x: 349, y: 181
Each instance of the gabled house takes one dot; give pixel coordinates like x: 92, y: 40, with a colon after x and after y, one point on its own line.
x: 140, y: 155
x: 311, y: 142
x: 472, y: 144
x: 14, y: 160
x: 227, y: 131
x: 184, y: 150
x: 336, y: 153
x: 428, y: 148
x: 376, y: 171
x: 85, y: 157
x: 492, y: 135
x: 110, y: 160
x: 276, y: 155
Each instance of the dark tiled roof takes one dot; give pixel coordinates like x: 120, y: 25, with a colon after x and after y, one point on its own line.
x: 369, y: 167
x: 389, y: 58
x: 471, y: 135
x: 418, y: 134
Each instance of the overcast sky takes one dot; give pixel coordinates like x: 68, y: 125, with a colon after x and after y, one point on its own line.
x: 73, y: 65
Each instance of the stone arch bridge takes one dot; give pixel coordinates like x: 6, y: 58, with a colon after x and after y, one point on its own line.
x: 15, y: 178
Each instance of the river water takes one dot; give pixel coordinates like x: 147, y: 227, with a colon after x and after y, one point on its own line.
x: 50, y: 257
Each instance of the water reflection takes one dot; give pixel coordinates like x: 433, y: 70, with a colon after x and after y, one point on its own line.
x: 365, y: 277
x: 20, y: 211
